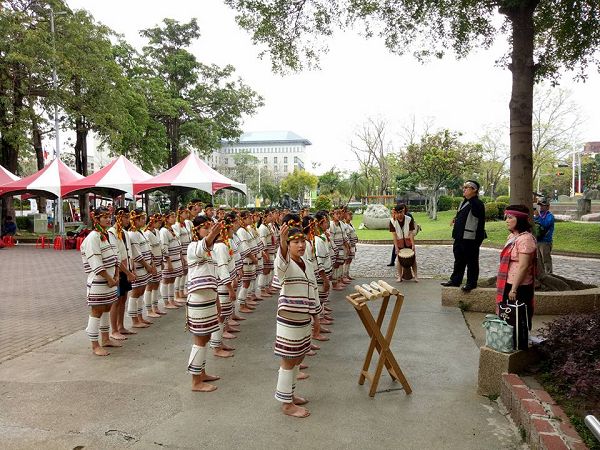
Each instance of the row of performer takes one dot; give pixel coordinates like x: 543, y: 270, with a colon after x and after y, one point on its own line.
x: 217, y: 266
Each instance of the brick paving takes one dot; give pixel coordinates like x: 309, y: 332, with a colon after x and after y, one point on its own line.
x: 43, y: 290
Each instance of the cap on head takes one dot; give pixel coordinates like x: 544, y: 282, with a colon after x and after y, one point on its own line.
x: 543, y: 201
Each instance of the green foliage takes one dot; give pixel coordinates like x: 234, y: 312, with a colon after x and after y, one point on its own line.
x: 501, y: 207
x: 456, y: 201
x: 485, y: 199
x: 270, y: 191
x: 24, y: 223
x: 329, y: 181
x: 491, y: 211
x: 503, y: 199
x: 298, y: 182
x: 444, y: 203
x: 322, y: 202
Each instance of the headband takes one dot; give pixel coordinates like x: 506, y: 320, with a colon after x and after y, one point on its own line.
x: 471, y: 185
x: 510, y: 212
x: 293, y: 237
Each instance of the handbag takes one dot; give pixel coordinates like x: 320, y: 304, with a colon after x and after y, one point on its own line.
x: 516, y: 315
x: 498, y: 334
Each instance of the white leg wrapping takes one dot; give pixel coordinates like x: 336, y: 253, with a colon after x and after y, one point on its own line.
x: 154, y: 297
x: 164, y: 293
x: 93, y: 328
x: 148, y: 299
x: 236, y: 307
x: 171, y: 291
x: 261, y: 282
x: 197, y: 360
x: 242, y: 295
x: 140, y: 304
x: 296, y: 372
x: 104, y: 324
x: 216, y: 338
x: 177, y: 283
x: 184, y: 283
x: 285, y: 383
x: 132, y: 306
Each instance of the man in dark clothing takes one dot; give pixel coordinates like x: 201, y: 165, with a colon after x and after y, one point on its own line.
x: 468, y: 234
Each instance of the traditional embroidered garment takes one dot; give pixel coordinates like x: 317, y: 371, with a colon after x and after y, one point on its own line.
x: 98, y: 254
x: 353, y: 239
x: 298, y: 301
x: 249, y: 268
x: 171, y: 248
x: 334, y: 249
x: 268, y: 241
x: 185, y: 237
x: 140, y: 250
x: 157, y: 254
x: 202, y: 318
x: 225, y: 263
x: 257, y: 248
x: 123, y: 245
x: 237, y: 257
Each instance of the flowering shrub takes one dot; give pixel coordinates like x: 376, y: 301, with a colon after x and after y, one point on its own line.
x: 572, y: 350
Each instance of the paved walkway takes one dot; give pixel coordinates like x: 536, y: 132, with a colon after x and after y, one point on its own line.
x: 61, y: 396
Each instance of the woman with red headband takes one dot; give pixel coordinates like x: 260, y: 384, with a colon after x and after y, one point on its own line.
x: 516, y: 273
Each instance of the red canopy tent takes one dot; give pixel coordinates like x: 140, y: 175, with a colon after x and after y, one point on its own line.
x: 50, y: 180
x: 120, y: 176
x: 191, y: 173
x: 6, y: 176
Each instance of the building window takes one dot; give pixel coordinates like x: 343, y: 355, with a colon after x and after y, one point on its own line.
x: 266, y: 160
x: 285, y: 159
x: 226, y: 161
x: 285, y: 168
x: 274, y: 159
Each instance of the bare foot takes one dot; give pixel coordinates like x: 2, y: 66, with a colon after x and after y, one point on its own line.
x: 233, y: 323
x: 339, y: 288
x: 179, y: 304
x: 99, y: 351
x: 227, y: 347
x: 328, y: 309
x: 329, y: 318
x: 146, y: 321
x: 153, y: 314
x: 207, y: 377
x: 126, y: 331
x: 320, y: 337
x: 111, y: 343
x: 415, y: 279
x: 201, y: 386
x: 232, y: 329
x: 325, y: 330
x: 289, y: 409
x: 399, y: 279
x: 238, y: 318
x: 118, y: 336
x: 245, y: 309
x: 299, y: 400
x: 311, y: 353
x: 251, y: 303
x: 303, y: 366
x: 140, y: 325
x: 314, y: 347
x: 325, y: 321
x: 222, y: 353
x: 303, y: 376
x: 228, y: 335
x: 158, y: 311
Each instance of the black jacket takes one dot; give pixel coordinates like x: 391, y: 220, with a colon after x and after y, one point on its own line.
x: 469, y: 223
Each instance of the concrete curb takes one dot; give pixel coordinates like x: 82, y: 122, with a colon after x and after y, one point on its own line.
x: 546, y: 303
x: 545, y: 424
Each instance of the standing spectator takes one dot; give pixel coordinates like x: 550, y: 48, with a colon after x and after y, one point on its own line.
x: 544, y: 220
x: 9, y: 227
x: 468, y: 234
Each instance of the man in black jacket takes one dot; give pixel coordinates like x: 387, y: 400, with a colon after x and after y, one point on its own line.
x: 468, y: 234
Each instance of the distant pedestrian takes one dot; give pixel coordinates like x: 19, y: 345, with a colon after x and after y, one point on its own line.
x: 468, y: 234
x: 544, y: 220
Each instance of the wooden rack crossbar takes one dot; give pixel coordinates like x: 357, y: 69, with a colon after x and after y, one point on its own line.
x: 359, y: 300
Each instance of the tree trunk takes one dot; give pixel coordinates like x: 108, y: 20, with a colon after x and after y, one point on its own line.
x: 521, y: 102
x: 81, y: 165
x: 173, y: 147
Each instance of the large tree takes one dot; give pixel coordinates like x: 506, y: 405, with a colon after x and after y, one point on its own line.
x: 545, y: 36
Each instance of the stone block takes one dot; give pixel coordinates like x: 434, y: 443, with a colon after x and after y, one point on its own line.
x: 552, y: 442
x: 493, y: 364
x: 537, y: 426
x: 530, y: 408
x: 544, y: 397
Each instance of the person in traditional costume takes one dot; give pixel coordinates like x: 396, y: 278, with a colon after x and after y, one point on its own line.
x: 267, y: 238
x: 235, y: 242
x: 144, y: 269
x: 352, y: 241
x: 151, y: 234
x: 172, y: 267
x: 298, y: 306
x: 340, y: 249
x: 101, y: 264
x: 184, y: 235
x: 250, y: 262
x: 203, y: 308
x: 119, y: 237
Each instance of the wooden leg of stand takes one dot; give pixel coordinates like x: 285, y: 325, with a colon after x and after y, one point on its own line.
x: 362, y: 313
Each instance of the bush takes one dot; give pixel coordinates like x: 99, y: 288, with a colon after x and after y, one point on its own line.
x: 323, y: 202
x: 503, y: 199
x: 24, y: 223
x: 573, y: 354
x: 491, y: 211
x: 486, y: 200
x: 501, y: 207
x: 456, y: 201
x: 444, y: 203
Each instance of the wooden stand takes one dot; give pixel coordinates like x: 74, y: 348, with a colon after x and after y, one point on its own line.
x: 379, y: 342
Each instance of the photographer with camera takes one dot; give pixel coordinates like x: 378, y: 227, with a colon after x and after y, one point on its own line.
x: 544, y: 221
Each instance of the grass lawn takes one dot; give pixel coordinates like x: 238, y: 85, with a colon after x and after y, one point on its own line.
x: 568, y: 236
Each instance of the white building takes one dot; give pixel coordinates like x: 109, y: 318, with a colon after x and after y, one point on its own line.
x: 280, y: 152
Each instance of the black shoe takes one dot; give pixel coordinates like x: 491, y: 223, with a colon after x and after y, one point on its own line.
x: 391, y: 265
x: 449, y: 284
x: 468, y: 288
